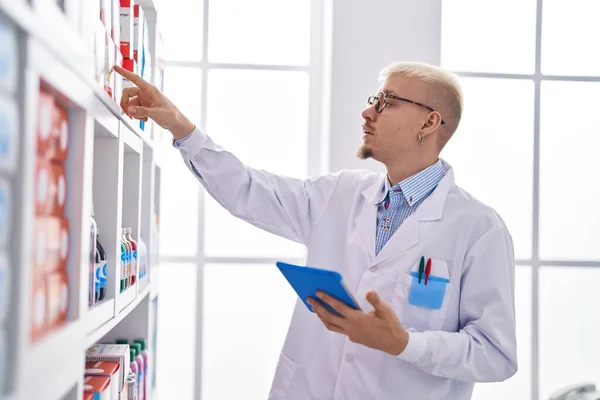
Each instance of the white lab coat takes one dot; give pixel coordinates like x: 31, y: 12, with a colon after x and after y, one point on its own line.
x: 471, y: 338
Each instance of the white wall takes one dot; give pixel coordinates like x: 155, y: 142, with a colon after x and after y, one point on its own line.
x: 367, y: 35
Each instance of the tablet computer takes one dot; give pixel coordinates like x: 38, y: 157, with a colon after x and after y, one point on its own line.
x: 306, y: 281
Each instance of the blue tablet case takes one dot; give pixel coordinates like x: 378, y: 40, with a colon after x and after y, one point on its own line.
x: 306, y: 281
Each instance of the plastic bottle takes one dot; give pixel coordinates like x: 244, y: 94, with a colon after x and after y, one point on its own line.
x: 134, y: 256
x: 92, y: 260
x: 123, y: 266
x: 145, y: 355
x: 133, y: 365
x: 103, y: 260
x: 127, y: 272
x: 140, y: 362
x: 142, y: 258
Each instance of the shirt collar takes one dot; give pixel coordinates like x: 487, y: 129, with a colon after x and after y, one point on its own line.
x: 415, y: 187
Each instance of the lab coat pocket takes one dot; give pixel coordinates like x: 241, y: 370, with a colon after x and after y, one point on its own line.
x: 284, y: 376
x: 428, y: 293
x: 422, y: 307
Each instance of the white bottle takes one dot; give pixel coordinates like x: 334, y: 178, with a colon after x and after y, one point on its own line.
x: 142, y: 257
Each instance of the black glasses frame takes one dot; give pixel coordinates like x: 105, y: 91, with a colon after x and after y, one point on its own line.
x: 379, y: 102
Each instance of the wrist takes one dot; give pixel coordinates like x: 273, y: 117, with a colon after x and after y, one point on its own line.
x: 182, y: 128
x: 400, y: 342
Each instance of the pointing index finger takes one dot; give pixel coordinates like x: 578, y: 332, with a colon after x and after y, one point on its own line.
x: 139, y: 82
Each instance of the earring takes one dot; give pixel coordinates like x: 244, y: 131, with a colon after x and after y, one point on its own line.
x: 420, y: 139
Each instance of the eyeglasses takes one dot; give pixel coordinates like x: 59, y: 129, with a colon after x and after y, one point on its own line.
x: 379, y: 101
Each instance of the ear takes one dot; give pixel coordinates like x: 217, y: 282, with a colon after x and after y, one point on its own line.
x: 432, y: 123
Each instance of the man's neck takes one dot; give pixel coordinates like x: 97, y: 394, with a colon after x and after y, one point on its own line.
x: 402, y: 170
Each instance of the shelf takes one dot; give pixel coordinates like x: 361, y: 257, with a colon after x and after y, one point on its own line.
x: 99, y: 333
x: 106, y: 125
x: 99, y: 314
x: 123, y: 299
x: 58, y: 37
x: 55, y: 346
x: 133, y: 143
x: 55, y: 383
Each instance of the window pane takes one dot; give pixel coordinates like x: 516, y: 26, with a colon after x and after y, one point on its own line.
x: 259, y: 32
x: 176, y: 331
x: 570, y: 37
x: 569, y: 190
x: 569, y: 322
x: 265, y: 133
x: 179, y: 189
x: 492, y: 151
x: 476, y: 37
x: 519, y: 386
x: 232, y: 351
x: 181, y: 24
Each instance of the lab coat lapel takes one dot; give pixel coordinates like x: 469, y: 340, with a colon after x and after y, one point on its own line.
x: 407, y: 235
x: 366, y: 220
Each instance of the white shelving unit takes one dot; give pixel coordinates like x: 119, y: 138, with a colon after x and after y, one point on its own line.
x: 112, y: 166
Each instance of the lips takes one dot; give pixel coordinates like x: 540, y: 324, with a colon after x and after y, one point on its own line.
x: 367, y: 131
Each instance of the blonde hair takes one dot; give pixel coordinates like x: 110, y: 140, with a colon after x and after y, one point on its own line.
x: 445, y: 94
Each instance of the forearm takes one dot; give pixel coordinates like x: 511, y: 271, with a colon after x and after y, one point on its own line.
x: 278, y: 204
x: 470, y: 355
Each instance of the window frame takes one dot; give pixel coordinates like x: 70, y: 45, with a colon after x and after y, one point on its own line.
x: 536, y: 263
x: 316, y: 163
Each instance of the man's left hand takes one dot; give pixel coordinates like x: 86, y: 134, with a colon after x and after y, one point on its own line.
x: 378, y: 329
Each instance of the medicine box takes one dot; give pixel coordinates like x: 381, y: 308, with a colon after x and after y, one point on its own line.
x: 108, y: 369
x: 126, y: 18
x: 98, y: 386
x: 113, y: 353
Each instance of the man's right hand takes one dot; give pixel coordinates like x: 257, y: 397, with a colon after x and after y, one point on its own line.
x: 144, y: 101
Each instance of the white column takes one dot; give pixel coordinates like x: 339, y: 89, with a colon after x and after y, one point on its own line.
x: 367, y: 35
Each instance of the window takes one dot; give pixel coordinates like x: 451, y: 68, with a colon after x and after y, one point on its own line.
x: 524, y: 147
x: 252, y: 94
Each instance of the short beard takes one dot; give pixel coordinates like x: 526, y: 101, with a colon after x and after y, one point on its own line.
x: 364, y: 152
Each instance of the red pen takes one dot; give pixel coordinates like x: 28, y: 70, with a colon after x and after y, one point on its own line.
x: 427, y: 270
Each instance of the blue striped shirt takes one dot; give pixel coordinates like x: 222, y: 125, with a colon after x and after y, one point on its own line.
x: 396, y: 203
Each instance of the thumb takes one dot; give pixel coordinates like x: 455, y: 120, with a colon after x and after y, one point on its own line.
x: 140, y: 112
x: 375, y: 300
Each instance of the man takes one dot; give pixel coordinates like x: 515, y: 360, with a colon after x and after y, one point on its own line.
x: 431, y: 267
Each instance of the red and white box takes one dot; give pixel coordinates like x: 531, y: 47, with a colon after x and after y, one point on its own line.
x: 126, y: 19
x: 118, y: 353
x: 50, y: 244
x: 38, y: 325
x: 98, y: 386
x: 115, y: 32
x: 88, y: 396
x: 108, y: 369
x: 61, y: 133
x: 117, y: 79
x: 138, y: 32
x: 45, y: 134
x: 52, y: 128
x: 50, y: 188
x: 57, y: 298
x: 106, y: 14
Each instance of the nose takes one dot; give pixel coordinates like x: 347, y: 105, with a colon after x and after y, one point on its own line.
x: 369, y: 113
